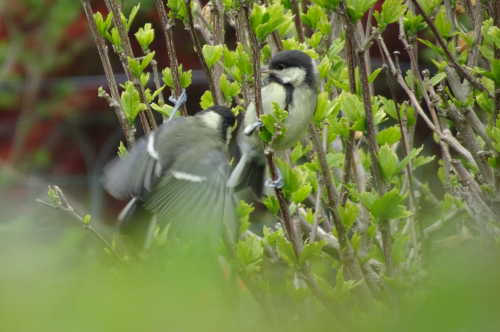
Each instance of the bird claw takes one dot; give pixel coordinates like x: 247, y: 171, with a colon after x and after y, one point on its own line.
x: 178, y: 103
x: 278, y: 183
x: 251, y: 128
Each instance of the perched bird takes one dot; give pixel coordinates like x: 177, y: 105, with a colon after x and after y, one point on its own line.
x: 293, y: 83
x: 178, y: 174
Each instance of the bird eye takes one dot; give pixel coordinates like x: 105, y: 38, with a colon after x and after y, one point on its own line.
x: 280, y: 67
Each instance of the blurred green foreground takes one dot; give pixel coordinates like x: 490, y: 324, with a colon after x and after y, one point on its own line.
x: 63, y: 281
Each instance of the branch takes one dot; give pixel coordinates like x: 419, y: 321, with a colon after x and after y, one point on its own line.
x: 296, y: 20
x: 351, y: 33
x: 285, y: 212
x: 147, y: 119
x: 461, y: 70
x: 218, y: 35
x: 128, y: 130
x: 190, y: 27
x: 62, y: 204
x: 167, y: 25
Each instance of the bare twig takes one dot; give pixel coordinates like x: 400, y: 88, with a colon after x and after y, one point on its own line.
x: 64, y: 205
x: 128, y: 130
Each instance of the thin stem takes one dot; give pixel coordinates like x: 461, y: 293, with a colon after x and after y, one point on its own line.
x: 218, y: 35
x: 167, y: 25
x: 199, y: 53
x: 63, y: 205
x: 128, y: 130
x: 147, y: 119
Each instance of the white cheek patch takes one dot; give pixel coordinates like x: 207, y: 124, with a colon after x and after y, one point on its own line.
x: 292, y: 75
x: 151, y: 146
x: 188, y: 177
x: 212, y: 119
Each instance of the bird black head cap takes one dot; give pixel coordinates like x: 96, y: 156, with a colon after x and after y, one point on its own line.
x: 227, y: 118
x: 296, y: 58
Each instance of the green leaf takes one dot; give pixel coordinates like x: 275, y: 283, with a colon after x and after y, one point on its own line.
x: 272, y: 204
x: 413, y: 153
x: 147, y: 59
x: 372, y: 77
x: 114, y: 39
x: 298, y: 152
x: 103, y: 26
x: 354, y: 111
x: 442, y: 24
x: 494, y: 34
x: 388, y: 161
x: 206, y: 100
x: 212, y: 54
x: 422, y: 161
x: 429, y: 5
x: 167, y: 77
x: 132, y: 15
x: 439, y: 50
x: 266, y: 20
x: 286, y: 252
x: 437, y: 78
x: 348, y: 215
x: 249, y: 253
x: 145, y: 37
x: 310, y: 250
x: 413, y: 24
x: 486, y: 103
x: 316, y: 39
x: 243, y: 61
x: 392, y: 10
x: 302, y: 193
x: 389, y: 136
x: 144, y: 79
x: 356, y: 241
x: 324, y: 67
x: 243, y: 211
x: 388, y: 206
x: 357, y: 8
x: 272, y: 238
x: 289, y: 178
x: 164, y: 110
x: 185, y: 77
x: 86, y: 221
x: 131, y: 103
x: 399, y: 248
x: 486, y: 52
x: 122, y: 150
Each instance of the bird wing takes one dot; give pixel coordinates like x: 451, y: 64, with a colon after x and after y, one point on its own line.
x: 194, y: 198
x: 140, y: 170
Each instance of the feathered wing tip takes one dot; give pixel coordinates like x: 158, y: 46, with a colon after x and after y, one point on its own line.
x: 195, y: 200
x: 138, y: 223
x: 133, y: 176
x: 248, y: 173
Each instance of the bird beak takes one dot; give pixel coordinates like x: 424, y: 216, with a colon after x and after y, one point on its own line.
x: 264, y: 70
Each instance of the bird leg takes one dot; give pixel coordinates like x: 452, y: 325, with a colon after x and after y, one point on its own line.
x: 178, y: 103
x: 251, y: 128
x: 278, y: 183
